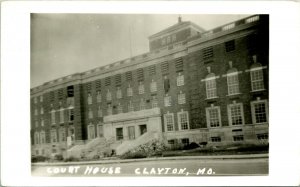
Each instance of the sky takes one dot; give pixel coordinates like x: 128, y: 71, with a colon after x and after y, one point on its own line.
x: 63, y: 44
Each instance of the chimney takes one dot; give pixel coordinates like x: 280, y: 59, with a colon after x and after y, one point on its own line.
x: 230, y: 64
x: 179, y: 19
x: 208, y: 69
x: 254, y: 58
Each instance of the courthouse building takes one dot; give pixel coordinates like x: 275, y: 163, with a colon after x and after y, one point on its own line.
x: 193, y: 85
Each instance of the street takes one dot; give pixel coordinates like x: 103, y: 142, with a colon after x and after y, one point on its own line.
x: 191, y: 167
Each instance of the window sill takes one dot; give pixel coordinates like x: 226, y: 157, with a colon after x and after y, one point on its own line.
x: 234, y: 94
x: 212, y: 98
x: 258, y: 90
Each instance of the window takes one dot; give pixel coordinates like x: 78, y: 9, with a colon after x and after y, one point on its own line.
x: 252, y: 19
x: 140, y: 74
x: 233, y: 84
x: 62, y: 134
x: 118, y: 79
x: 257, y: 79
x: 213, y: 116
x: 154, y: 102
x: 166, y: 84
x: 108, y: 96
x: 107, y: 81
x: 61, y: 115
x: 99, y: 97
x: 120, y: 108
x: 185, y: 141
x: 142, y: 104
x: 211, y: 88
x: 71, y: 115
x: 167, y: 100
x: 128, y: 75
x: 100, y: 130
x: 36, y: 111
x: 228, y: 27
x: 163, y: 41
x: 42, y: 122
x: 259, y: 111
x: 230, y: 46
x: 181, y: 98
x: 119, y: 93
x: 89, y: 98
x: 42, y: 137
x: 179, y: 64
x: 165, y: 68
x: 53, y: 117
x: 207, y: 53
x: 109, y: 109
x: 91, y: 132
x: 238, y: 138
x: 41, y: 98
x: 173, y: 37
x: 168, y: 39
x: 180, y: 79
x: 215, y: 139
x: 36, y: 123
x: 53, y: 136
x: 153, y: 86
x: 70, y: 91
x: 42, y: 110
x: 152, y: 70
x: 90, y: 114
x: 130, y: 107
x: 100, y: 114
x: 236, y: 114
x: 131, y: 132
x: 129, y: 91
x: 35, y: 100
x: 264, y: 136
x: 141, y: 88
x: 171, y: 142
x: 98, y: 84
x: 183, y: 120
x: 36, y: 138
x: 169, y: 122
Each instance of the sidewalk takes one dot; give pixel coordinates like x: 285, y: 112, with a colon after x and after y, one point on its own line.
x: 218, y: 157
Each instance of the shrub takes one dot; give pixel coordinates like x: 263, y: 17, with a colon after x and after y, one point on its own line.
x: 39, y: 158
x: 71, y: 159
x: 131, y: 155
x: 192, y: 145
x: 58, y: 157
x: 152, y: 148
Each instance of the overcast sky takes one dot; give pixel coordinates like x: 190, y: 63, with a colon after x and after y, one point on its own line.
x: 63, y: 44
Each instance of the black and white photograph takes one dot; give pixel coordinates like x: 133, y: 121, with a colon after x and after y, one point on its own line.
x: 160, y: 93
x: 149, y: 95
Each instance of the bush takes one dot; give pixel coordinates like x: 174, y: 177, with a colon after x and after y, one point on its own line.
x: 152, y: 148
x: 131, y: 155
x: 58, y: 157
x: 71, y: 159
x: 39, y: 158
x: 192, y: 145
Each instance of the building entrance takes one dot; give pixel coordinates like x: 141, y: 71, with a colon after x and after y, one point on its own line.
x: 143, y: 129
x: 119, y: 133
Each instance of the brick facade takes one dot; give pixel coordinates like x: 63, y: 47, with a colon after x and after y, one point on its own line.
x: 192, y: 59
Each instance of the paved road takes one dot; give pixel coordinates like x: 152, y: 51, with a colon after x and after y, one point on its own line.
x: 193, y: 167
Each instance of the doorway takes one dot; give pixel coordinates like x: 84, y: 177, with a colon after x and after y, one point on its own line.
x: 119, y: 133
x: 143, y: 129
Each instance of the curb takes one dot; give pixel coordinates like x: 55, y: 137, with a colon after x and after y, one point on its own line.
x: 222, y: 157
